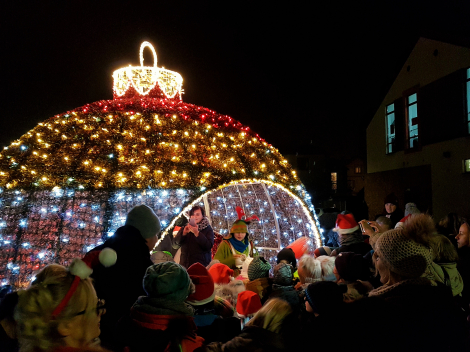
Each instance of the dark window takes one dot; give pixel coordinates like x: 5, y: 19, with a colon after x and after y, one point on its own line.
x: 468, y: 100
x: 390, y: 125
x: 412, y: 121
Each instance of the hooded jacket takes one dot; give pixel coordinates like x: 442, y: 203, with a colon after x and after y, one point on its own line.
x: 159, y: 325
x: 121, y: 284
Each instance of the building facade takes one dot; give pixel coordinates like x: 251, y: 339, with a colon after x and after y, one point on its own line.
x: 418, y: 142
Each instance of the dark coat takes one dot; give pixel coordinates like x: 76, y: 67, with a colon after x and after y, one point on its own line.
x: 121, y: 284
x: 413, y: 317
x: 213, y: 328
x: 141, y: 332
x: 251, y: 339
x: 361, y: 248
x: 195, y: 249
x: 463, y: 266
x: 288, y: 294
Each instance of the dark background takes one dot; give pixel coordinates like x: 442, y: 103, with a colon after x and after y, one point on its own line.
x: 307, y: 78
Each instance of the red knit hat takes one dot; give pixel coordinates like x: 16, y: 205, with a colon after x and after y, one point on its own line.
x: 345, y: 224
x: 221, y: 273
x: 248, y: 303
x: 204, y: 285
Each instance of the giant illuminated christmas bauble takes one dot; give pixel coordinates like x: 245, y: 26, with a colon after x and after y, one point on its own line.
x: 67, y: 184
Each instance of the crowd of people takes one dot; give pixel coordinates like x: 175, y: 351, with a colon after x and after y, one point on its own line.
x: 399, y: 282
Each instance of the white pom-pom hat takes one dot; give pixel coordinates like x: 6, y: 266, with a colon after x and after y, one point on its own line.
x: 82, y: 269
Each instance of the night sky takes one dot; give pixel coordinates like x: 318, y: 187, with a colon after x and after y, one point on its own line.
x: 308, y: 79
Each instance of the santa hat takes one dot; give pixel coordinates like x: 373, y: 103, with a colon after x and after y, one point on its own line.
x: 204, y: 284
x: 346, y: 224
x: 248, y: 303
x: 82, y: 269
x: 401, y: 223
x: 221, y: 273
x: 175, y: 230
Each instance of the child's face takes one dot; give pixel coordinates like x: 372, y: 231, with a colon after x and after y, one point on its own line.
x: 239, y: 236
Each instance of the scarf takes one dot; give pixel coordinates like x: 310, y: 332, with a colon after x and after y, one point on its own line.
x: 240, y: 246
x: 203, y: 224
x: 386, y: 289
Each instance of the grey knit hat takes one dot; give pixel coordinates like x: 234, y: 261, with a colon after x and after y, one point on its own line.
x: 167, y: 280
x: 258, y: 268
x: 283, y: 275
x: 405, y: 256
x: 144, y: 219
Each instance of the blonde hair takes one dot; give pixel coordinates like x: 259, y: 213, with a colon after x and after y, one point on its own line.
x: 37, y: 330
x: 312, y: 269
x: 443, y: 251
x: 271, y: 315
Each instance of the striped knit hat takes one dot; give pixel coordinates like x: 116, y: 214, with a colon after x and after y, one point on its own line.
x: 239, y: 226
x: 258, y: 268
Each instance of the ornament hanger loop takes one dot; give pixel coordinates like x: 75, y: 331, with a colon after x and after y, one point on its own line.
x: 142, y: 47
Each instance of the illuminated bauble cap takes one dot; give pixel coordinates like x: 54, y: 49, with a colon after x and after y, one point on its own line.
x: 147, y: 81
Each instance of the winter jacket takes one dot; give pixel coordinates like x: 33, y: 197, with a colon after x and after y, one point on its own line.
x: 195, y: 249
x: 121, y: 284
x: 288, y: 294
x: 251, y: 339
x: 154, y: 324
x: 411, y: 315
x: 447, y: 274
x: 213, y: 328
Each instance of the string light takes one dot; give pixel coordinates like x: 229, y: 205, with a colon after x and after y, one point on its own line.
x: 68, y: 184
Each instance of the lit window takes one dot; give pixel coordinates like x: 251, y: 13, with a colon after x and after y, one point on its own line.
x: 412, y: 120
x: 358, y: 170
x: 334, y: 181
x: 468, y: 100
x: 466, y: 165
x: 390, y: 121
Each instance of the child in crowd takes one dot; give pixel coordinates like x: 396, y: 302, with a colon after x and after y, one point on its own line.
x: 226, y: 286
x: 162, y: 320
x: 258, y: 274
x: 248, y: 303
x: 266, y: 332
x: 283, y: 286
x: 210, y: 326
x: 352, y: 274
